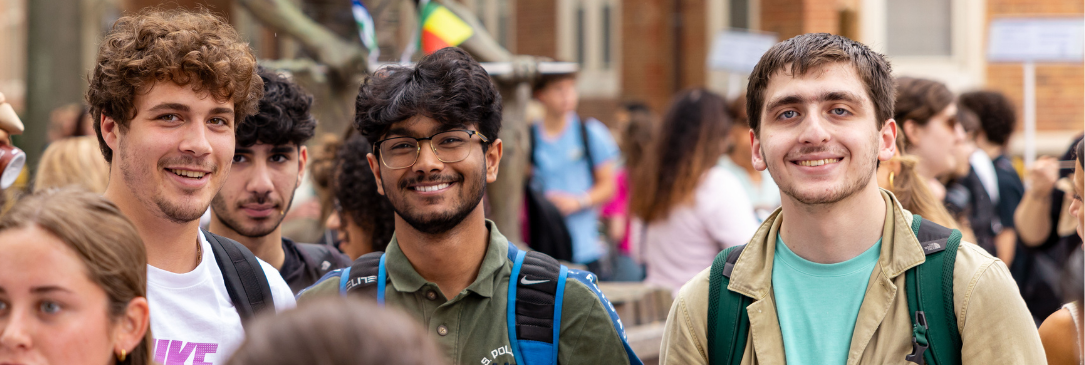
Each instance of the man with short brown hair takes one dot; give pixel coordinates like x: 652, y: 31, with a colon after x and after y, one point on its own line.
x: 825, y: 274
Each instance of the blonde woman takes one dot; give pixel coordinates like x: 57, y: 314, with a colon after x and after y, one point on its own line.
x: 73, y: 161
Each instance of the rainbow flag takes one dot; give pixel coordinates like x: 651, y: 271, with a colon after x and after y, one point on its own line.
x: 441, y: 28
x: 366, y: 27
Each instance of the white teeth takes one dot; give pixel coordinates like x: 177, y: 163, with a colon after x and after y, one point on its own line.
x: 187, y: 173
x: 431, y: 188
x: 813, y: 163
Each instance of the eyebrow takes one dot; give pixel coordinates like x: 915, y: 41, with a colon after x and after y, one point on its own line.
x: 283, y: 149
x: 443, y: 128
x: 48, y: 289
x: 184, y: 108
x: 831, y: 96
x: 222, y: 110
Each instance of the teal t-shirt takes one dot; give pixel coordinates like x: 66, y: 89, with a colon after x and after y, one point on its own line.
x: 817, y: 304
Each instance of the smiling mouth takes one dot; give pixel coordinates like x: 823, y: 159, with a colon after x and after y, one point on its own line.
x: 426, y: 189
x: 815, y: 163
x: 188, y: 173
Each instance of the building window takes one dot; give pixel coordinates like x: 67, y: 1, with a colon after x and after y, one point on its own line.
x: 589, y: 33
x: 606, y: 36
x: 494, y: 16
x: 740, y: 14
x: 919, y: 28
x: 580, y: 35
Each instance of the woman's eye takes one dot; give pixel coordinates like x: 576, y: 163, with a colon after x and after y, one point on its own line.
x: 50, y: 307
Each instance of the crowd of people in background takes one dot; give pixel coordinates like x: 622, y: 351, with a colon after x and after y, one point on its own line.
x: 162, y: 222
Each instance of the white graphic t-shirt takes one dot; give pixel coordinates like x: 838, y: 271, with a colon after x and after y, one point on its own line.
x: 193, y: 320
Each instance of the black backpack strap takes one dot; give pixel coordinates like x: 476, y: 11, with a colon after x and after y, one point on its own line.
x: 321, y: 259
x: 728, y: 322
x: 362, y: 275
x: 587, y: 149
x: 536, y: 290
x: 245, y: 279
x: 930, y: 296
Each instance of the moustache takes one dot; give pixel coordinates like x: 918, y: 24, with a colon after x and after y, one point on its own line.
x: 802, y: 151
x: 205, y: 164
x: 259, y: 199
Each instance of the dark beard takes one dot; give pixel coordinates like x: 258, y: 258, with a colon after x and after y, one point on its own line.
x: 441, y: 223
x: 219, y: 205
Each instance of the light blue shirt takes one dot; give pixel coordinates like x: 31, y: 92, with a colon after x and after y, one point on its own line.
x: 817, y: 304
x: 765, y: 197
x: 562, y: 166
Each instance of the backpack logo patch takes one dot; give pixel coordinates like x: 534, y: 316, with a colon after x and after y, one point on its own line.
x: 525, y: 281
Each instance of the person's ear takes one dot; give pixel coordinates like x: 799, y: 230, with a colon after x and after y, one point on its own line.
x: 375, y: 166
x: 756, y: 157
x: 887, y: 140
x: 130, y: 329
x: 303, y: 160
x: 110, y: 132
x: 493, y: 160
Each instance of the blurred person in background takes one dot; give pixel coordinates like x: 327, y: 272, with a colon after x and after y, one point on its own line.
x: 927, y: 115
x: 73, y: 161
x: 899, y: 176
x: 338, y: 331
x: 690, y: 208
x: 966, y: 200
x: 633, y: 130
x: 763, y: 193
x: 313, y: 205
x: 362, y: 218
x: 995, y: 170
x: 575, y: 185
x: 1042, y: 216
x: 1061, y: 333
x: 73, y: 283
x: 72, y: 120
x: 268, y: 165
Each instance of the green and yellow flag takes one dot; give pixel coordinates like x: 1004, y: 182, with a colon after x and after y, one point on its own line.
x: 441, y: 28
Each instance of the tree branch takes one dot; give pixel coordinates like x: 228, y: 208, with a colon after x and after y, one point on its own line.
x: 344, y: 57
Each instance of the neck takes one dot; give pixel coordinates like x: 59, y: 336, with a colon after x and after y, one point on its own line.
x: 171, y: 246
x: 450, y: 259
x: 554, y: 123
x: 268, y: 248
x: 831, y: 233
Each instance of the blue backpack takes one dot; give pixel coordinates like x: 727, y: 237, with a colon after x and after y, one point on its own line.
x: 537, y: 283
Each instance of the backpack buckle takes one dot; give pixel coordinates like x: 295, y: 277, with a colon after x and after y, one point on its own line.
x: 919, y: 339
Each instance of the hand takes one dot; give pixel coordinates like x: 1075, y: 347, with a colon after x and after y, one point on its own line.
x: 565, y: 203
x: 1042, y: 176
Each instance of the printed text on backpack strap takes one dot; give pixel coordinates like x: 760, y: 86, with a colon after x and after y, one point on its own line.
x: 728, y: 322
x: 361, y: 276
x: 243, y: 276
x: 929, y: 286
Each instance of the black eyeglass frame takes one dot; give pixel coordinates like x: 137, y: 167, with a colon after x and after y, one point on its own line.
x: 470, y: 133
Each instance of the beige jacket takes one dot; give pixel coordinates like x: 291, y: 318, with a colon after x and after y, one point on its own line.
x: 995, y: 325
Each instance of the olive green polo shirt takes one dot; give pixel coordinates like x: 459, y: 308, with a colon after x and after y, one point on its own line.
x: 471, y: 327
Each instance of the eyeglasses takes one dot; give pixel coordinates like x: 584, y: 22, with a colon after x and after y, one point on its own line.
x: 449, y: 146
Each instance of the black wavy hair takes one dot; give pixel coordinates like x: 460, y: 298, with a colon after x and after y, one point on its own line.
x: 995, y: 112
x: 356, y: 189
x: 283, y: 117
x: 448, y: 86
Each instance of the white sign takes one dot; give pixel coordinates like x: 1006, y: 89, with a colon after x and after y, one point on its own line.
x: 1042, y: 39
x: 738, y: 51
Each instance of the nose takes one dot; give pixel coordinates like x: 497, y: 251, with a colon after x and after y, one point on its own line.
x: 813, y: 129
x: 260, y: 179
x: 194, y: 139
x: 333, y: 221
x: 15, y: 332
x: 427, y: 159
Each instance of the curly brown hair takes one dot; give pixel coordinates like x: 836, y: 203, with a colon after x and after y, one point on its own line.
x: 185, y: 47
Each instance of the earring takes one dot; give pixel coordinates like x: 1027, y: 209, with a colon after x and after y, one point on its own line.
x: 123, y: 355
x: 891, y: 179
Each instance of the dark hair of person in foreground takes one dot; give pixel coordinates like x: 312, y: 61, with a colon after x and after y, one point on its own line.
x: 337, y: 331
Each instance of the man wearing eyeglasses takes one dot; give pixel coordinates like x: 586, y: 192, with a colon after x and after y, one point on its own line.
x: 433, y: 129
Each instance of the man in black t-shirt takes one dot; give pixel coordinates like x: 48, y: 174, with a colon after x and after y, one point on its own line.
x: 269, y: 162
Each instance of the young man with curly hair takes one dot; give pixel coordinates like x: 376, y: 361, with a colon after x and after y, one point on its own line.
x: 167, y: 91
x: 825, y: 279
x: 434, y: 131
x: 269, y: 163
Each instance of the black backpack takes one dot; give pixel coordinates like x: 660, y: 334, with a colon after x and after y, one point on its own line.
x: 244, y: 277
x: 547, y: 232
x: 934, y: 323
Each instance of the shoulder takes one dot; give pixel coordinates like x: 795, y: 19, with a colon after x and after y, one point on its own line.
x: 318, y: 254
x: 694, y: 294
x: 1058, y: 333
x: 326, y: 286
x: 972, y: 265
x: 685, y: 332
x: 280, y: 291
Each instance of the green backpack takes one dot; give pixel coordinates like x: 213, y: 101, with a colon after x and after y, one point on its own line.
x: 930, y: 300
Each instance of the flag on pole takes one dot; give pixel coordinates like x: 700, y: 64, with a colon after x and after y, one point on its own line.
x: 366, y: 29
x: 441, y: 28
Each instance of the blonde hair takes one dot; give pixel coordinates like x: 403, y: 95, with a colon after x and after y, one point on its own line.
x: 73, y: 161
x: 912, y: 192
x: 104, y: 240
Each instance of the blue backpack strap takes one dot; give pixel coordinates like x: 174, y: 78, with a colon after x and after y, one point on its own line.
x: 382, y: 280
x: 517, y: 258
x: 344, y: 278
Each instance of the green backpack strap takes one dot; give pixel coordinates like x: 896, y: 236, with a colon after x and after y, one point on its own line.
x: 930, y: 296
x: 728, y: 322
